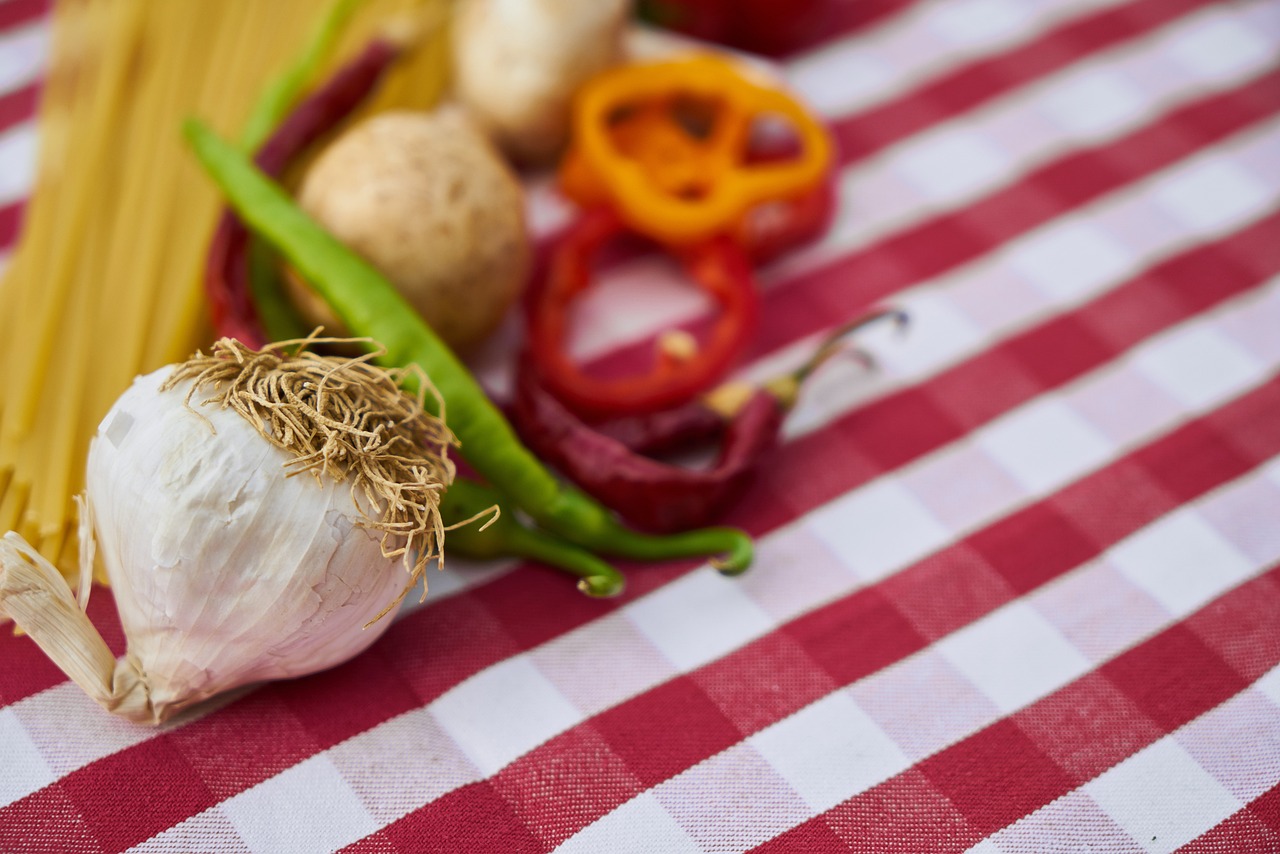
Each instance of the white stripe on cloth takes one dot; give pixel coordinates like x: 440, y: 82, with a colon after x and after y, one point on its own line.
x: 17, y: 162
x: 24, y: 51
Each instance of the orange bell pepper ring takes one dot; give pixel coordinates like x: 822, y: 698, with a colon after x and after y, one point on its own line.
x: 665, y: 144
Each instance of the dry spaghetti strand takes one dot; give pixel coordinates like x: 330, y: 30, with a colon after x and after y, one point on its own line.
x: 104, y: 284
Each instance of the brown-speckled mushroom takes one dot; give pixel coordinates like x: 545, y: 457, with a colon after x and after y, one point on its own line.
x: 427, y: 200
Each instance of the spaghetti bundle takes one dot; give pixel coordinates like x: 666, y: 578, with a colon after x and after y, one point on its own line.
x: 105, y: 282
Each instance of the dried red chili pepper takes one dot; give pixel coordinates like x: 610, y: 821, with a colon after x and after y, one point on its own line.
x: 650, y: 495
x: 610, y: 465
x: 231, y: 305
x: 695, y: 424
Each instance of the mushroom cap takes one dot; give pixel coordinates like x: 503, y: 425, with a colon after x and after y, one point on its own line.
x: 518, y: 63
x: 426, y: 199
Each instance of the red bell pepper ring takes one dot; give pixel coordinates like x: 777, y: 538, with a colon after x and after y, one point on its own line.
x: 718, y: 265
x: 777, y: 230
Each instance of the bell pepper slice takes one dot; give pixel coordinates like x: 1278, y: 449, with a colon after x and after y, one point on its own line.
x: 666, y: 144
x: 719, y: 265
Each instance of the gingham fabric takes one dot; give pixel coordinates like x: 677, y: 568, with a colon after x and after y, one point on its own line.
x: 1018, y: 590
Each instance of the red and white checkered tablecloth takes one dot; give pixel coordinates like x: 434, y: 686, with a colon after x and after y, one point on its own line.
x: 1017, y: 591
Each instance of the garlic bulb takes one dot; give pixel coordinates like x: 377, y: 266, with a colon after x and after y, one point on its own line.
x: 254, y: 512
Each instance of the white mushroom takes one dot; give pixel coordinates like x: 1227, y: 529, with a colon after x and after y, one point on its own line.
x: 518, y: 63
x: 427, y: 200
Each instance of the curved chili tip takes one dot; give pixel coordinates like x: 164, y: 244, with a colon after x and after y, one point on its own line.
x: 602, y: 586
x: 505, y: 535
x: 596, y: 578
x: 737, y: 558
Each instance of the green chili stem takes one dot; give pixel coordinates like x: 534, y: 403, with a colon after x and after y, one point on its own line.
x: 731, y: 547
x: 371, y: 307
x: 279, y: 319
x: 505, y: 536
x: 595, y: 577
x: 283, y: 91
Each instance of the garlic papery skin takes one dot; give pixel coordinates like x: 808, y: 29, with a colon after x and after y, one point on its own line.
x: 224, y: 570
x: 230, y: 562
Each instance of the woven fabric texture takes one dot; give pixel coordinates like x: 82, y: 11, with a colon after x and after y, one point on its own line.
x: 1018, y: 589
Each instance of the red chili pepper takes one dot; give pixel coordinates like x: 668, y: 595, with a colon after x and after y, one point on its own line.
x: 608, y: 463
x: 231, y: 306
x: 695, y: 424
x: 719, y: 265
x: 774, y: 229
x: 770, y: 27
x: 651, y: 495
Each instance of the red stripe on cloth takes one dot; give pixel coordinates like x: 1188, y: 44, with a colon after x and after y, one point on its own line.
x: 167, y: 786
x: 965, y: 88
x: 15, y: 13
x: 714, y: 707
x: 10, y: 223
x: 25, y: 670
x: 1023, y: 762
x: 1254, y: 828
x: 817, y: 299
x: 53, y: 825
x: 432, y: 650
x: 18, y: 105
x: 478, y: 819
x: 84, y: 809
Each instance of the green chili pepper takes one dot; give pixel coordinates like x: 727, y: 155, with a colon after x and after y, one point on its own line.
x: 279, y: 320
x: 505, y: 536
x: 267, y: 113
x: 371, y: 307
x: 283, y: 91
